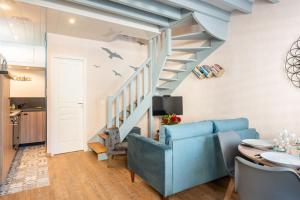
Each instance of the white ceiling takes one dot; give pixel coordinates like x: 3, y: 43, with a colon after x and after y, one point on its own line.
x: 27, y: 24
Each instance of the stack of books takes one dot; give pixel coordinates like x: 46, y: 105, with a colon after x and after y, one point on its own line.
x: 217, y: 70
x: 206, y: 71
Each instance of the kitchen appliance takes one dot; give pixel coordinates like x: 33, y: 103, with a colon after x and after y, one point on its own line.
x: 16, y: 122
x: 3, y: 63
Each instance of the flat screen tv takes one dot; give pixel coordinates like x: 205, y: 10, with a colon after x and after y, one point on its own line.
x: 163, y: 105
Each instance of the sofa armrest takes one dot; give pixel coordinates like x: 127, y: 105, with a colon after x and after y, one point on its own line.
x: 152, y: 161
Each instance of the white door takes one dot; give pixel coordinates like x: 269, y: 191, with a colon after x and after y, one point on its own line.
x: 69, y: 104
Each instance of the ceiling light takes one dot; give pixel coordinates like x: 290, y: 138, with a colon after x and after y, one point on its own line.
x: 72, y: 21
x: 4, y: 7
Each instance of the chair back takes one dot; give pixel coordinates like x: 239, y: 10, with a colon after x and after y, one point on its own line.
x: 229, y: 142
x: 258, y: 182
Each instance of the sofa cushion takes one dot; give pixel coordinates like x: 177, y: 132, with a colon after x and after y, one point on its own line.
x: 248, y: 133
x: 230, y: 125
x: 180, y: 131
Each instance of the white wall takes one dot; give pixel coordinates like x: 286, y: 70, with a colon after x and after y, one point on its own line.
x: 101, y: 82
x: 254, y: 84
x: 33, y: 88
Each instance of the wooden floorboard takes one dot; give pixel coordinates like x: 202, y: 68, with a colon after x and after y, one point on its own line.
x: 79, y: 176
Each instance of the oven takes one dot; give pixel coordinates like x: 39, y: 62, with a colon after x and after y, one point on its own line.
x: 16, y: 122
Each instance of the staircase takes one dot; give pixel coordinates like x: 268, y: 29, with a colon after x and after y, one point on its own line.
x: 172, y: 55
x: 176, y: 69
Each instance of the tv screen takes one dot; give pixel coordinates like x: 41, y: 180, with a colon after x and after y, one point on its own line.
x: 163, y: 105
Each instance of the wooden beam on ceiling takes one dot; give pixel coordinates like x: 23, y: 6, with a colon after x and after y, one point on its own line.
x: 201, y: 7
x: 126, y: 11
x: 93, y: 13
x: 240, y: 5
x: 153, y: 7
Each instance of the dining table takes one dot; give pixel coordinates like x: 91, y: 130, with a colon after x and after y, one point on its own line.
x: 253, y: 154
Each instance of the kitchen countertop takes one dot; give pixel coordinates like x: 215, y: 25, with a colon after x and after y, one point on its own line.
x: 16, y: 112
x: 33, y: 109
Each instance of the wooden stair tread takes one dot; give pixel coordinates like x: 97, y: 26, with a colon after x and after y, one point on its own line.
x: 162, y: 88
x: 189, y: 48
x: 103, y: 135
x: 97, y: 147
x: 192, y: 36
x: 181, y: 60
x: 174, y: 70
x: 168, y: 79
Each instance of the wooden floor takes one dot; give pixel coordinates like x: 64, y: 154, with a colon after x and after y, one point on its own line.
x: 79, y: 175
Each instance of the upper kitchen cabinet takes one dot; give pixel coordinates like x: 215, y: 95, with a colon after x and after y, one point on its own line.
x: 23, y: 55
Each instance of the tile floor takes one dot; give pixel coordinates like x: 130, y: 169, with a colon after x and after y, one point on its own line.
x: 29, y: 170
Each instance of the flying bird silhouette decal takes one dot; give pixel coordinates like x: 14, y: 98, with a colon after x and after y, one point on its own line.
x: 135, y: 68
x: 112, y: 54
x: 141, y: 43
x: 97, y: 66
x: 117, y: 73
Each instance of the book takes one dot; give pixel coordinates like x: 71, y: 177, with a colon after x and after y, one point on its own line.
x: 198, y: 73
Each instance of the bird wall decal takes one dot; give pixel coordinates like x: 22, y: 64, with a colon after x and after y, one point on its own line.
x: 117, y: 73
x: 97, y: 66
x: 141, y: 43
x: 112, y: 54
x: 134, y: 68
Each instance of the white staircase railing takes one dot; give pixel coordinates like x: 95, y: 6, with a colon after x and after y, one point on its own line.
x: 126, y: 107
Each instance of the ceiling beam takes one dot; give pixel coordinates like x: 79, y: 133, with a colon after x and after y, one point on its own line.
x: 93, y: 13
x: 201, y: 7
x: 274, y: 1
x: 153, y: 7
x: 124, y: 11
x: 244, y: 6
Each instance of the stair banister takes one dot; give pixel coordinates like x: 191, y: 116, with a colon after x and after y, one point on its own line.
x: 141, y: 72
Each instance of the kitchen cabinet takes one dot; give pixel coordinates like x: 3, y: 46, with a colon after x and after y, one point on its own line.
x: 33, y: 127
x: 23, y: 55
x: 7, y: 151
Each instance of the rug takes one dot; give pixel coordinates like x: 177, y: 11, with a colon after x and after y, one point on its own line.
x: 29, y: 170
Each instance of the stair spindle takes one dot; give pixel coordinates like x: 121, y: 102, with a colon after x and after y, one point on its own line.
x: 118, y: 111
x: 124, y: 103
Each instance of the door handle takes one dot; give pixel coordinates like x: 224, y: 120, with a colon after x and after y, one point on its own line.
x: 79, y: 103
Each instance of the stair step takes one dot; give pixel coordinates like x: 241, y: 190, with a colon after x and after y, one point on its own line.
x: 174, y: 70
x: 97, y: 147
x: 192, y: 36
x: 181, y: 60
x: 168, y: 79
x: 104, y: 136
x: 162, y: 88
x: 190, y: 49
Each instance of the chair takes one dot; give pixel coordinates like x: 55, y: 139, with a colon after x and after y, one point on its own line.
x: 265, y: 183
x: 229, y: 142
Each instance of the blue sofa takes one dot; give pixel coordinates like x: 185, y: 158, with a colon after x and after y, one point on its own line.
x: 187, y: 154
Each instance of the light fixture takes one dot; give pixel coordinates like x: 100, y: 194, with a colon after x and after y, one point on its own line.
x: 5, y: 7
x: 72, y: 21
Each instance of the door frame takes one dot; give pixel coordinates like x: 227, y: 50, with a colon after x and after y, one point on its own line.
x: 51, y: 108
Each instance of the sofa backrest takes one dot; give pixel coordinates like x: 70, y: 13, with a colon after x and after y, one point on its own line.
x: 230, y: 125
x: 180, y: 131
